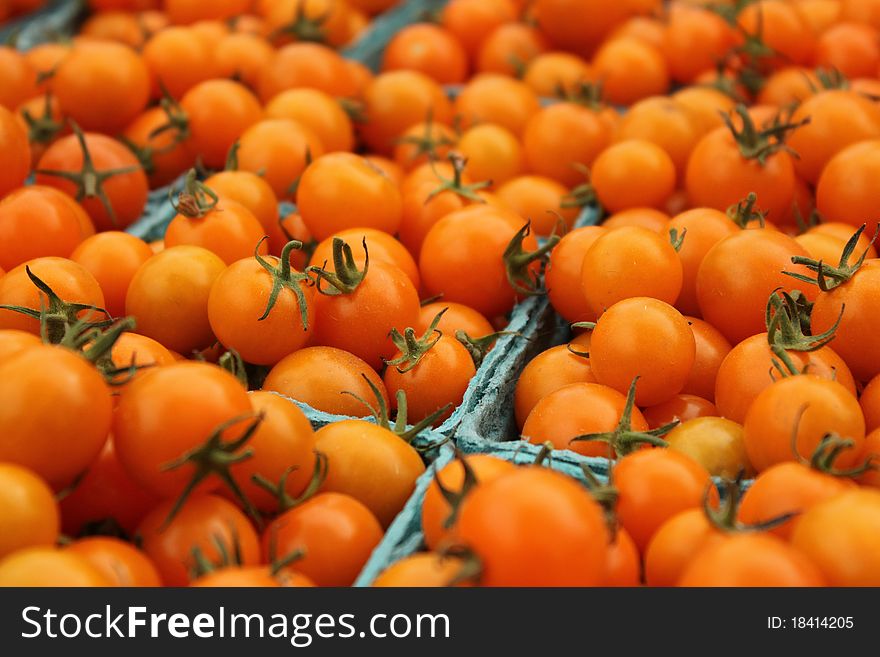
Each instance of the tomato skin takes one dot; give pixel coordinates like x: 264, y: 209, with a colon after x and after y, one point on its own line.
x: 662, y: 373
x: 202, y: 522
x: 457, y: 317
x: 633, y: 173
x: 218, y: 113
x: 102, y: 85
x: 105, y: 491
x: 30, y: 515
x: 499, y: 99
x: 750, y: 560
x: 318, y: 376
x: 872, y: 449
x: 126, y: 192
x: 473, y: 273
x: 853, y: 342
x: 279, y: 148
x: 238, y: 577
x: 155, y: 423
x: 550, y: 72
x: 69, y: 280
x: 435, y: 508
x: 718, y: 176
x: 748, y: 370
x: 19, y: 78
x: 535, y: 515
x: 675, y: 544
x: 60, y: 431
x: 49, y: 567
x: 140, y: 350
x: 318, y: 111
x: 563, y: 274
x: 13, y: 341
x: 113, y: 258
x: 15, y: 152
x: 429, y: 49
x: 337, y: 533
x: 547, y: 372
x: 563, y: 134
x: 371, y: 464
x: 623, y: 565
x: 509, y: 46
x: 774, y: 415
x: 739, y: 274
x: 654, y: 485
x: 539, y: 199
x: 284, y: 438
x: 711, y: 349
x: 423, y: 569
x: 167, y: 158
x: 631, y: 70
x: 562, y: 20
x: 341, y: 188
x: 178, y: 58
x: 651, y: 265
x: 169, y: 311
x: 788, y: 488
x: 682, y: 407
x: 360, y: 321
x: 694, y: 40
x: 869, y: 401
x: 716, y: 443
x: 493, y: 153
x: 576, y: 409
x: 308, y: 65
x: 120, y: 562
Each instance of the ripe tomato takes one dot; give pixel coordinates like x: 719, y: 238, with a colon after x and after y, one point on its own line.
x: 168, y: 297
x: 474, y: 273
x: 788, y: 86
x: 533, y: 515
x: 553, y: 74
x: 562, y: 135
x: 218, y: 113
x: 664, y: 122
x: 750, y: 560
x: 39, y: 221
x: 30, y: 513
x: 280, y: 149
x: 842, y: 191
x: 112, y: 258
x: 457, y: 317
x: 307, y: 20
x: 705, y: 228
x: 682, y: 407
x: 371, y: 464
x: 436, y: 510
x: 748, y: 370
x: 633, y: 173
x: 857, y: 299
x: 102, y: 85
x: 669, y: 344
x: 120, y: 194
x: 470, y: 22
x: 19, y: 77
x: 152, y: 426
x: 429, y: 49
x: 164, y: 156
x: 630, y: 70
x: 540, y: 200
x: 423, y: 569
x: 69, y: 280
x: 577, y: 409
x: 509, y: 48
x: 498, y: 99
x: 244, y: 57
x: 563, y: 275
x: 13, y: 341
x: 493, y: 153
x: 651, y: 265
x: 120, y: 562
x: 654, y: 485
x: 341, y: 191
x: 850, y: 48
x: 381, y: 246
x: 58, y: 431
x: 675, y: 544
x: 49, y: 566
x: 869, y: 401
x: 15, y: 153
x: 306, y: 65
x: 239, y: 577
x: 706, y: 105
x: 649, y: 218
x: 178, y: 59
x: 623, y: 564
x: 715, y: 443
x: 204, y: 522
x: 739, y: 274
x: 185, y: 12
x: 336, y: 533
x: 144, y: 352
x: 782, y: 29
x: 318, y: 111
x: 833, y: 535
x: 871, y: 451
x: 808, y: 405
x: 546, y: 373
x: 694, y: 41
x: 558, y: 19
x: 318, y: 376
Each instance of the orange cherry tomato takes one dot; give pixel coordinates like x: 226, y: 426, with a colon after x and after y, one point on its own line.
x: 30, y: 515
x: 498, y: 99
x: 546, y: 373
x: 49, y: 566
x: 112, y: 258
x: 15, y: 152
x: 120, y: 562
x: 429, y: 49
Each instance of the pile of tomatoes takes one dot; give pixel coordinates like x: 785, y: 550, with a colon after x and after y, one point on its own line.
x: 722, y: 311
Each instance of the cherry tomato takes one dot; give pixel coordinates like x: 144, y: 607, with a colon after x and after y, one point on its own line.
x: 675, y: 544
x: 164, y: 156
x: 15, y: 152
x: 30, y: 515
x: 499, y: 99
x: 49, y: 566
x: 423, y: 569
x: 318, y: 111
x: 429, y: 49
x: 630, y: 70
x: 113, y: 258
x: 120, y: 562
x: 540, y: 200
x: 178, y: 59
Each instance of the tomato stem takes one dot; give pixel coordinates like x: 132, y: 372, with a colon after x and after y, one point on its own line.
x: 279, y: 490
x: 456, y: 184
x: 828, y: 277
x: 517, y: 262
x: 346, y: 275
x: 413, y: 349
x: 285, y: 277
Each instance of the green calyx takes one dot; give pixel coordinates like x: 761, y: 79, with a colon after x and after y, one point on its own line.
x: 623, y: 439
x: 455, y: 185
x: 346, y: 275
x: 760, y: 144
x: 233, y: 363
x: 413, y: 349
x: 216, y: 457
x: 676, y: 239
x: 784, y: 318
x: 88, y: 180
x: 232, y: 157
x: 285, y: 277
x: 455, y: 498
x: 606, y: 495
x: 227, y: 558
x: 305, y: 28
x: 724, y: 516
x: 196, y: 199
x: 178, y: 121
x: 828, y: 277
x: 96, y: 346
x: 479, y: 348
x: 279, y: 490
x: 745, y: 212
x: 587, y: 93
x: 829, y: 450
x: 582, y: 195
x: 399, y: 428
x: 518, y: 261
x: 42, y: 129
x: 59, y: 318
x: 427, y: 143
